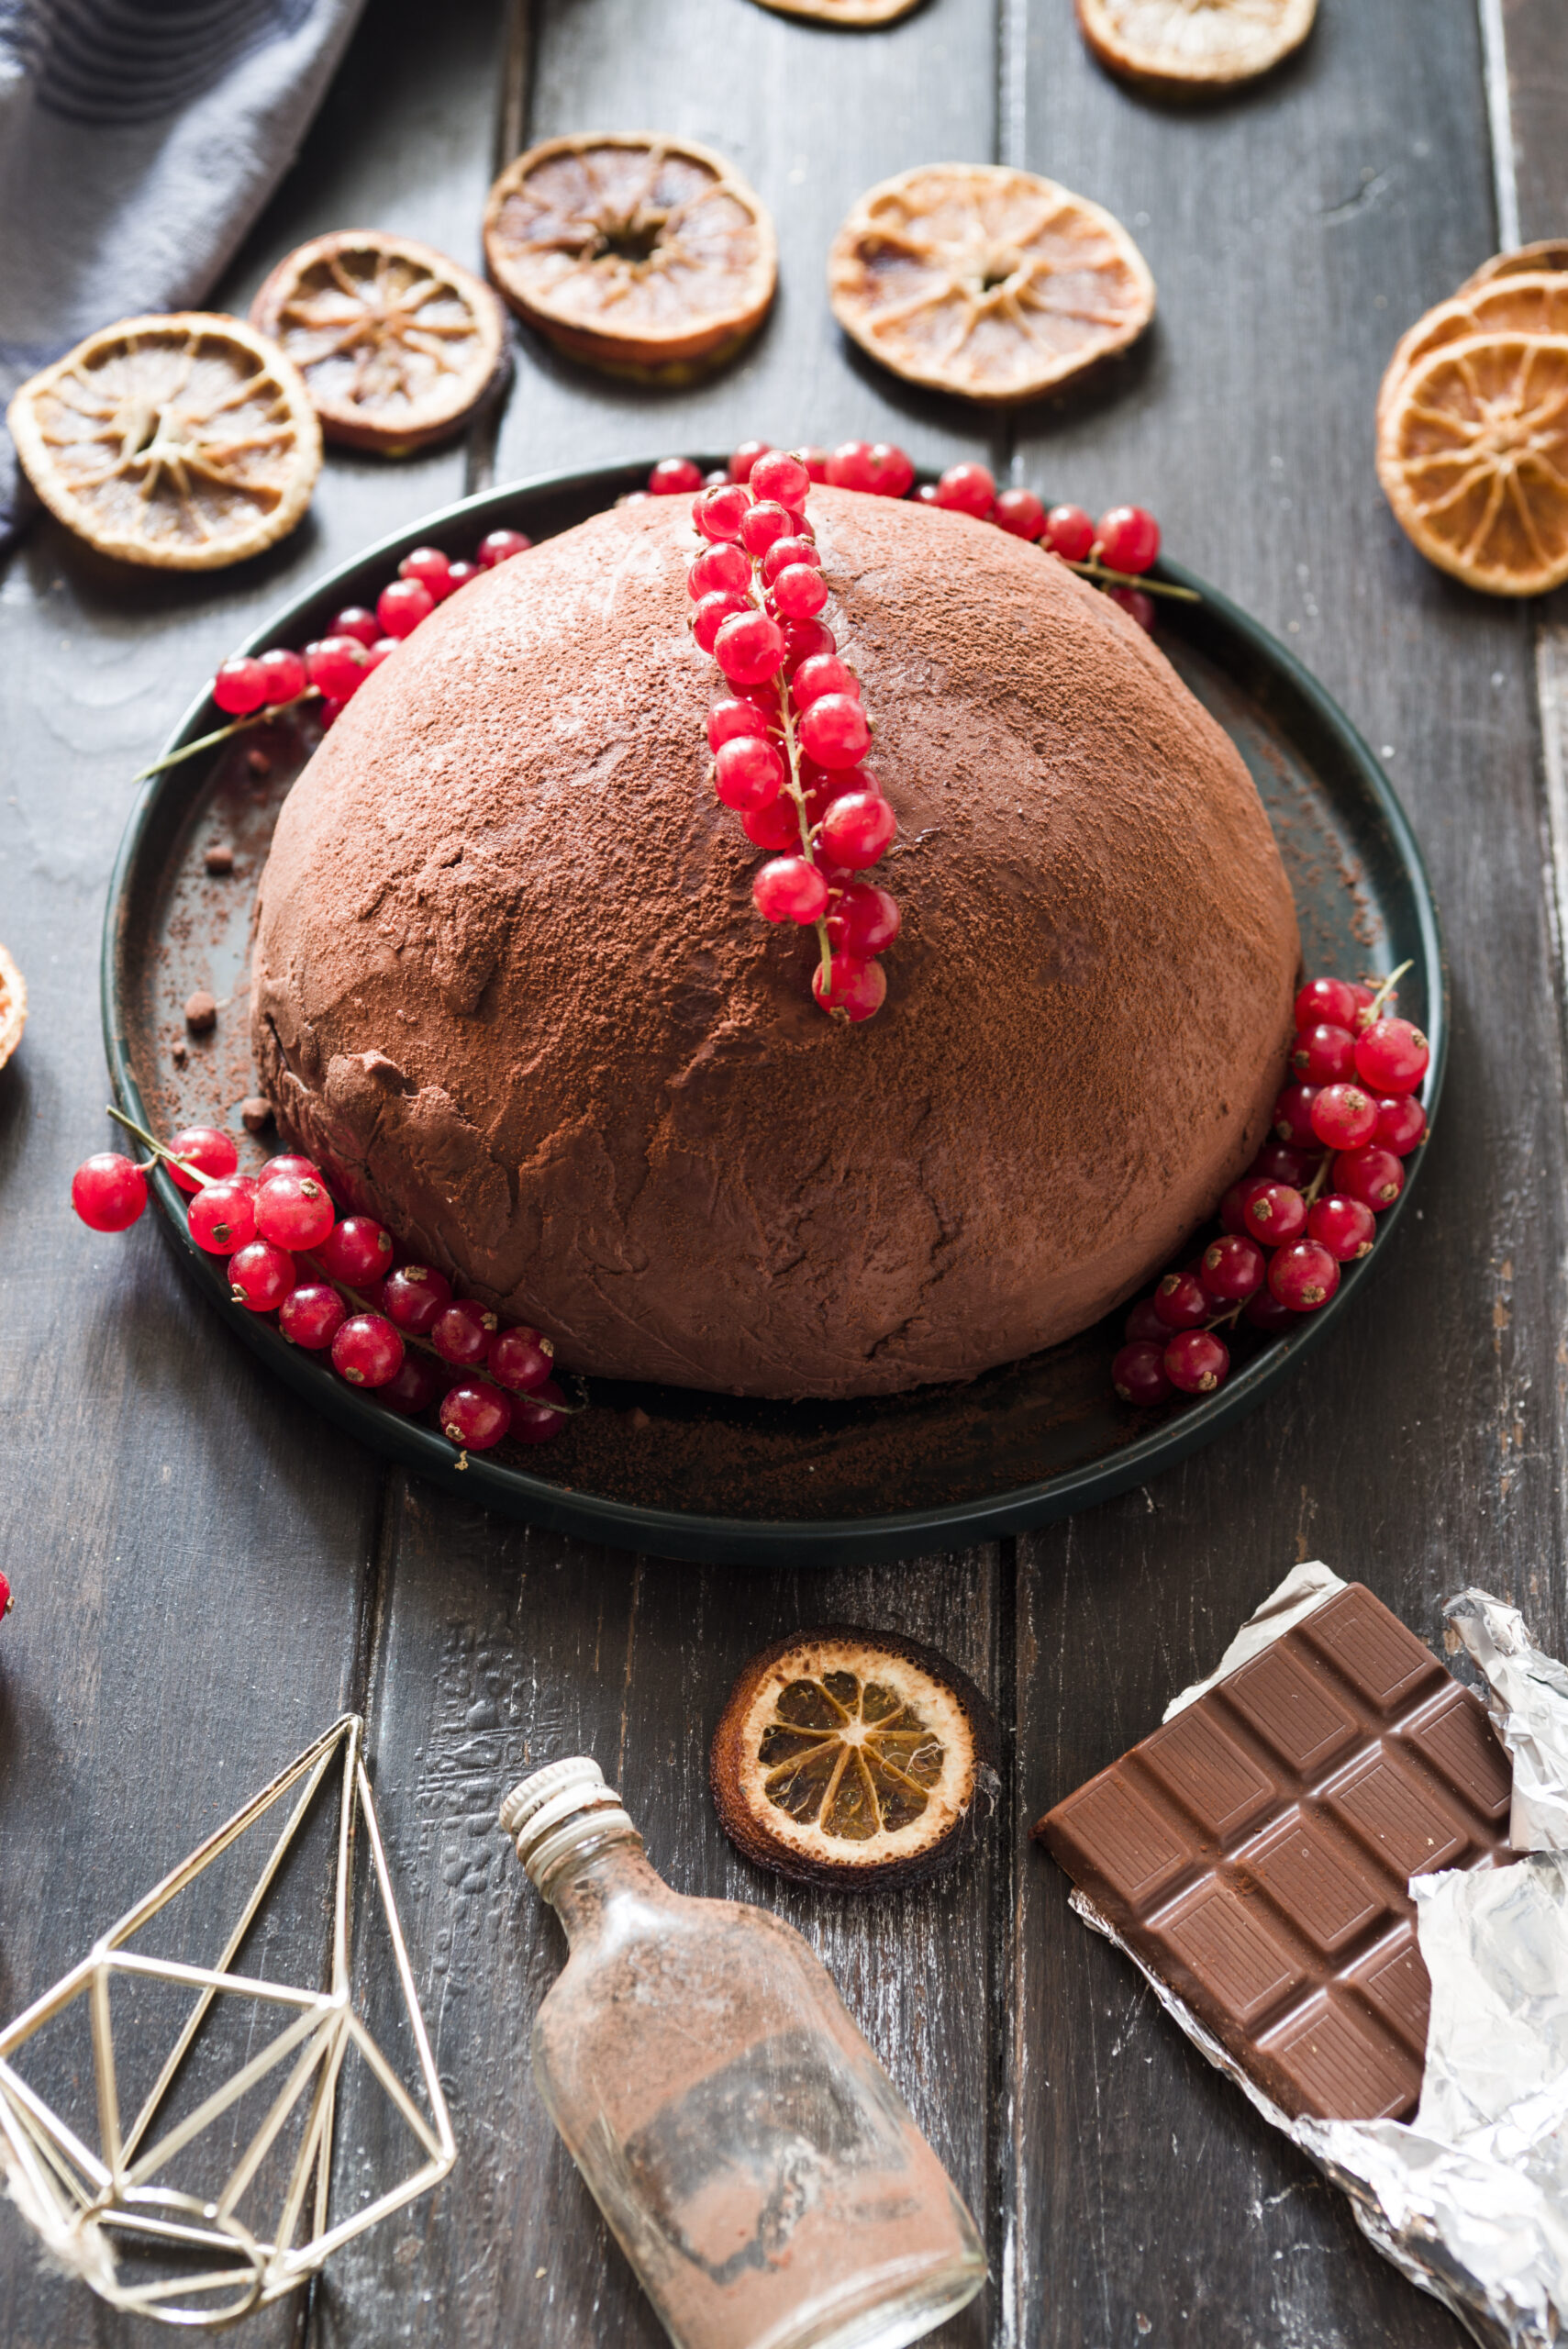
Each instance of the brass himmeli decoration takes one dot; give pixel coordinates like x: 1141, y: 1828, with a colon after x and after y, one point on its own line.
x: 93, y: 2208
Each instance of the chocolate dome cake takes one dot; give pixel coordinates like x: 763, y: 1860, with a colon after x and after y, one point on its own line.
x: 511, y: 989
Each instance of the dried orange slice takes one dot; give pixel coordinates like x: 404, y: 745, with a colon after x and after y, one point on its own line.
x: 396, y: 342
x: 1533, y: 305
x: 184, y: 442
x: 1472, y: 455
x: 645, y: 255
x: 13, y: 1008
x: 861, y: 13
x: 846, y: 1756
x: 991, y: 282
x: 1549, y: 254
x: 1193, y: 47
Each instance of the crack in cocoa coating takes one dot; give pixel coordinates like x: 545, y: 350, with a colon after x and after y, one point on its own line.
x: 511, y: 985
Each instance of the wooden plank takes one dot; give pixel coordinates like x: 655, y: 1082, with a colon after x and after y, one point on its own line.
x: 1295, y: 233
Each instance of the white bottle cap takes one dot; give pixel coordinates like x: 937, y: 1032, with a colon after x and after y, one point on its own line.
x: 555, y: 1810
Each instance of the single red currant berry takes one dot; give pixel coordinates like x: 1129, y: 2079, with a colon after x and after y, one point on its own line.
x: 293, y: 1211
x: 712, y: 613
x: 1233, y: 1269
x: 823, y: 673
x: 261, y: 1276
x: 311, y: 1316
x: 673, y: 477
x: 718, y: 513
x: 1264, y: 1311
x: 1325, y: 1002
x: 1180, y: 1302
x: 799, y: 591
x: 849, y: 465
x: 785, y: 552
x: 746, y: 456
x: 331, y: 711
x: 856, y: 988
x: 862, y: 921
x: 286, y: 1162
x: 1303, y: 1276
x: 1021, y: 512
x: 285, y: 674
x: 764, y: 524
x: 108, y: 1192
x: 335, y: 666
x: 1129, y: 537
x: 431, y: 568
x: 804, y: 640
x: 401, y: 606
x: 857, y: 828
x: 774, y: 828
x: 203, y: 1147
x: 475, y: 1416
x: 240, y: 686
x: 533, y: 1421
x: 776, y: 475
x: 1138, y: 1373
x: 500, y: 546
x: 414, y: 1387
x: 1143, y: 1323
x: 1324, y: 1054
x: 719, y: 570
x: 1138, y: 607
x: 356, y: 1252
x: 1069, y: 533
x: 376, y: 654
x: 1374, y: 1176
x: 834, y: 731
x: 737, y: 714
x: 926, y: 494
x: 889, y: 473
x: 367, y: 1351
x: 462, y: 1334
x: 748, y: 773
x: 1197, y: 1361
x: 1232, y: 1216
x: 1274, y: 1213
x: 415, y: 1297
x: 1292, y: 1117
x: 1343, y: 1117
x: 717, y: 479
x: 815, y: 462
x: 1346, y: 1227
x: 1392, y: 1056
x: 1278, y: 1163
x: 222, y: 1218
x: 355, y: 621
x: 790, y: 888
x: 967, y: 489
x: 749, y: 647
x: 520, y: 1359
x: 459, y: 574
x: 1401, y: 1124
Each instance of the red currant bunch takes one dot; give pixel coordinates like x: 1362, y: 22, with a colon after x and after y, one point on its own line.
x: 1308, y: 1203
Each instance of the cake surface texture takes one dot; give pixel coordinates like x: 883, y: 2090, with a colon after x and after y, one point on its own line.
x: 511, y: 990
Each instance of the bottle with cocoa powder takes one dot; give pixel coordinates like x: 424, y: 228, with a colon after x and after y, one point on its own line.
x: 756, y: 2163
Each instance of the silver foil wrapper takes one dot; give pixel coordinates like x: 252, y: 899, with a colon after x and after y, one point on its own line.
x: 1470, y: 2199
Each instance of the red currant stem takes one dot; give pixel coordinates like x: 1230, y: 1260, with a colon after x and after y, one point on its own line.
x: 156, y: 1147
x: 1374, y: 1007
x: 1314, y: 1188
x: 1097, y: 570
x: 236, y: 726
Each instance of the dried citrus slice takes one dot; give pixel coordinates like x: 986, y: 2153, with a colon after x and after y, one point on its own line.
x: 645, y: 255
x: 396, y: 343
x: 13, y: 1008
x: 1194, y: 46
x: 846, y: 1756
x: 992, y: 283
x: 1533, y: 305
x: 1549, y: 254
x: 861, y: 13
x: 184, y: 442
x: 1472, y: 455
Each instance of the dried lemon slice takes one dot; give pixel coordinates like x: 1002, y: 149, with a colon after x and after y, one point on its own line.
x: 1532, y: 305
x: 846, y: 1756
x: 184, y: 442
x: 1472, y: 455
x: 396, y: 343
x: 992, y: 283
x: 861, y: 13
x: 648, y: 256
x: 1549, y: 254
x: 13, y: 1008
x: 1193, y: 47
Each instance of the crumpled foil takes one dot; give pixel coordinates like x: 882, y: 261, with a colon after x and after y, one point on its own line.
x: 1470, y: 2199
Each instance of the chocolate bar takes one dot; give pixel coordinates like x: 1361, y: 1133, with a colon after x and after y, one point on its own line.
x: 1255, y: 1853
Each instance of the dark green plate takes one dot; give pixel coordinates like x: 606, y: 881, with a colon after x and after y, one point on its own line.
x: 667, y: 1470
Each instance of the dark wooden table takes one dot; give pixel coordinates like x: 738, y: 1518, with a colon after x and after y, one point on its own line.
x: 206, y: 1575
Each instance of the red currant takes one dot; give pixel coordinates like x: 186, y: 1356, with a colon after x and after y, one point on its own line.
x: 311, y: 1316
x: 1264, y: 1311
x: 834, y: 731
x: 1274, y: 1213
x: 285, y: 675
x: 790, y: 889
x: 1303, y: 1276
x: 785, y: 552
x: 775, y: 827
x: 737, y: 714
x: 207, y: 1150
x: 1138, y: 1373
x: 764, y: 524
x: 1343, y: 1117
x: 803, y: 640
x: 823, y: 673
x: 862, y: 921
x: 1232, y: 1216
x: 1197, y: 1361
x: 1180, y: 1302
x: 967, y: 489
x: 431, y: 568
x: 286, y: 1162
x: 1392, y: 1056
x: 376, y: 654
x: 459, y: 574
x: 108, y: 1192
x: 401, y: 607
x: 849, y: 465
x: 1292, y: 1117
x: 777, y: 475
x: 1233, y: 1269
x: 748, y: 773
x: 1138, y: 607
x: 222, y: 1218
x: 927, y: 494
x: 240, y: 686
x: 1278, y: 1163
x: 462, y: 1334
x: 1019, y: 512
x: 746, y: 456
x: 749, y: 647
x: 356, y: 1252
x: 520, y: 1358
x: 533, y: 1421
x: 415, y: 1297
x: 1374, y: 1176
x: 855, y: 987
x: 719, y: 569
x: 1326, y: 1002
x: 1069, y: 533
x: 718, y: 513
x: 414, y: 1387
x: 475, y: 1416
x: 261, y: 1276
x: 799, y: 591
x: 367, y: 1351
x: 355, y: 621
x: 857, y: 828
x: 335, y: 666
x: 500, y: 546
x: 1401, y: 1124
x: 1143, y: 1323
x: 815, y: 462
x: 1129, y: 538
x: 889, y: 473
x: 712, y: 613
x: 673, y: 477
x: 1344, y: 1226
x: 1324, y: 1054
x: 294, y: 1211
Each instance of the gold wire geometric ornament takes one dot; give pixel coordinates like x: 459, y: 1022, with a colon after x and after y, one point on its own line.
x: 93, y: 2209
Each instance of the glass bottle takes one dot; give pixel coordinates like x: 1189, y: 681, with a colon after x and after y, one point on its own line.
x: 754, y: 2161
